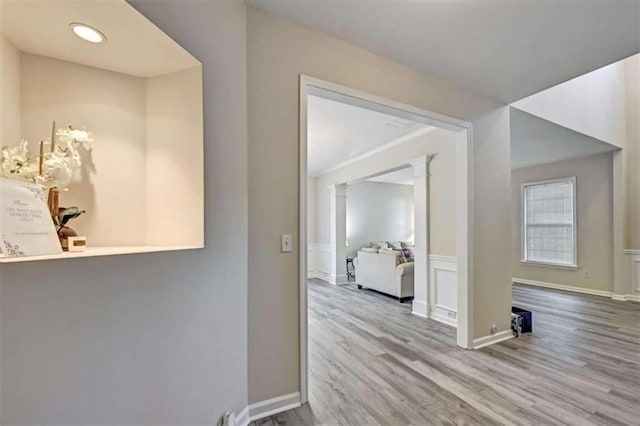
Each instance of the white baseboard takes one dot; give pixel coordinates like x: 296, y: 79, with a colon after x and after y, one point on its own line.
x: 269, y: 407
x: 324, y: 276
x: 444, y: 318
x: 626, y: 297
x: 492, y: 338
x: 338, y: 279
x: 419, y: 308
x: 563, y: 287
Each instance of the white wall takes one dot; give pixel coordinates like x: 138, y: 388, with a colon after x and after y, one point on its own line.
x: 278, y: 52
x: 112, y: 106
x: 593, y: 104
x: 9, y: 93
x: 157, y: 338
x: 594, y: 195
x: 137, y: 175
x: 632, y: 154
x: 378, y: 211
x: 174, y: 181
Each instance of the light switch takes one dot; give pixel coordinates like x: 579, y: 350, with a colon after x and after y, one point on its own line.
x: 286, y: 245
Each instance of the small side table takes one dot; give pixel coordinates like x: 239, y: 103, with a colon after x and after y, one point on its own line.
x: 351, y: 273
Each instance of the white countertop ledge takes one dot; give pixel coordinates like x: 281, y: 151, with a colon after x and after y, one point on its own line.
x: 97, y: 251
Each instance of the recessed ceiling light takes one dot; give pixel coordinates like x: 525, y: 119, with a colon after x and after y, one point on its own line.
x: 87, y: 33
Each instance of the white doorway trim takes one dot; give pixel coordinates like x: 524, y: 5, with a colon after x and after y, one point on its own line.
x: 464, y: 214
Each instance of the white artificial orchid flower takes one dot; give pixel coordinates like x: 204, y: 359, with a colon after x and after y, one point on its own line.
x: 78, y: 136
x: 59, y: 168
x: 16, y: 163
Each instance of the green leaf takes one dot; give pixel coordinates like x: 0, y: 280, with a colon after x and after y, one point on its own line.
x: 68, y: 214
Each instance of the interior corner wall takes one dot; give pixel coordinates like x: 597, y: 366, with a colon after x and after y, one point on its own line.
x: 10, y: 116
x: 278, y: 52
x: 632, y: 153
x: 378, y: 211
x: 594, y: 196
x: 174, y: 178
x: 155, y: 338
x: 112, y: 106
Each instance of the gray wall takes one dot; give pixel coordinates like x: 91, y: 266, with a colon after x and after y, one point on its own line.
x: 594, y: 196
x: 154, y: 338
x: 378, y: 211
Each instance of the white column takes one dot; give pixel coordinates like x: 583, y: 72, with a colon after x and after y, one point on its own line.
x: 621, y: 274
x: 338, y: 233
x: 421, y: 230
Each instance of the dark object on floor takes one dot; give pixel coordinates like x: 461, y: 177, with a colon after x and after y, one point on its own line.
x: 351, y: 272
x: 527, y: 319
x: 516, y: 324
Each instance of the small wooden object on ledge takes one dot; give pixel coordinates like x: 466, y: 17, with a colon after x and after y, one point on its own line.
x: 53, y: 201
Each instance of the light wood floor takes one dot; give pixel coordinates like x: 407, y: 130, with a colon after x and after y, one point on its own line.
x: 372, y: 362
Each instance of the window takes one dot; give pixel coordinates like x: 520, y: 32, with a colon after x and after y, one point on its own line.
x: 549, y: 222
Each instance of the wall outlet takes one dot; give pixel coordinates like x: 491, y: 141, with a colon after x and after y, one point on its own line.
x: 494, y: 329
x: 286, y: 243
x: 451, y: 314
x: 587, y: 275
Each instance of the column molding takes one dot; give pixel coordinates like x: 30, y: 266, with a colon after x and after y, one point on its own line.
x: 421, y: 231
x: 338, y: 233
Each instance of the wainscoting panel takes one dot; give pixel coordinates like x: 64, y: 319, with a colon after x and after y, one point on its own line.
x: 633, y: 257
x: 443, y: 294
x: 319, y: 261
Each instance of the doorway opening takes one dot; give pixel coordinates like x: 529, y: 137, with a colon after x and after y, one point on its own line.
x: 366, y: 163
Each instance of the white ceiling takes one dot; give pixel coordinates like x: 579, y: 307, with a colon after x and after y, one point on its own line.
x: 339, y: 133
x: 400, y: 177
x: 134, y: 45
x: 503, y: 49
x: 536, y: 141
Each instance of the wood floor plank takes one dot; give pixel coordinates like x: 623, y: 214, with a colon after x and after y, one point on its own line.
x: 372, y: 362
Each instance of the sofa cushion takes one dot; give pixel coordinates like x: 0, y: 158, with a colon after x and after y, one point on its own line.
x: 379, y: 245
x: 392, y: 252
x: 395, y: 245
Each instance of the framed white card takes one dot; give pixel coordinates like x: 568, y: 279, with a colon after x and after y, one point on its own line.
x: 26, y: 227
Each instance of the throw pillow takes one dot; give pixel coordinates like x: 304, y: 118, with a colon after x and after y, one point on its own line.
x: 408, y: 254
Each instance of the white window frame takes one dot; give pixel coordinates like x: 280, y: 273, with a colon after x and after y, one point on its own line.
x: 523, y: 224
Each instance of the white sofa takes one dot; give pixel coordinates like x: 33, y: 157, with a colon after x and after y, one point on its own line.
x: 385, y: 273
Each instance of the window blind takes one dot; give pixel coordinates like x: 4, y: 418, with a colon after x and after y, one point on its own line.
x: 549, y: 228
